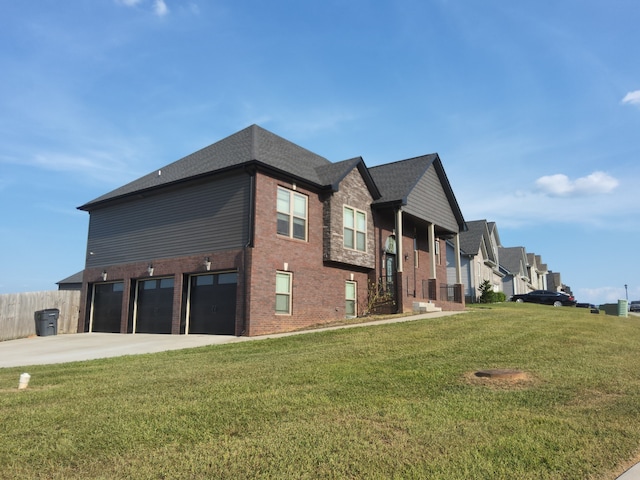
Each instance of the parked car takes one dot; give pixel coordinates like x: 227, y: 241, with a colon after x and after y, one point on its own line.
x: 545, y: 297
x: 634, y: 306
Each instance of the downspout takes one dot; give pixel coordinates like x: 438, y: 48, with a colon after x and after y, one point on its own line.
x: 399, y: 240
x: 399, y: 261
x: 458, y: 265
x: 245, y: 288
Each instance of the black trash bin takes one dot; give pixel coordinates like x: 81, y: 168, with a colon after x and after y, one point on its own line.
x: 47, y: 322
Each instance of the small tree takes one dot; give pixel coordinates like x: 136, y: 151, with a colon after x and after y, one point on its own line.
x: 378, y: 294
x: 487, y: 295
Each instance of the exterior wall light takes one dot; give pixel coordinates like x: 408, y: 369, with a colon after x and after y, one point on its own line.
x: 150, y: 270
x: 207, y: 263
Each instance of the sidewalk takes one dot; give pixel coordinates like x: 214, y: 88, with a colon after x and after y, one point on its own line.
x: 632, y: 474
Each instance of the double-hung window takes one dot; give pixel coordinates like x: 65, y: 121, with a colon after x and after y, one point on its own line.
x: 283, y: 293
x: 355, y: 229
x: 350, y: 296
x: 292, y: 214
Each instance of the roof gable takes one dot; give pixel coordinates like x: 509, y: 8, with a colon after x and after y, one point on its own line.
x: 333, y: 174
x: 472, y: 239
x: 513, y: 260
x: 420, y: 184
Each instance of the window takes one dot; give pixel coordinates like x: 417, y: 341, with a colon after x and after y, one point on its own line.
x: 292, y: 214
x: 350, y: 299
x: 283, y: 293
x: 355, y: 229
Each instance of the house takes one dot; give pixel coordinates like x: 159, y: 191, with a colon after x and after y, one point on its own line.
x: 480, y: 258
x: 513, y: 265
x: 255, y: 235
x: 73, y: 282
x: 554, y: 283
x: 537, y: 272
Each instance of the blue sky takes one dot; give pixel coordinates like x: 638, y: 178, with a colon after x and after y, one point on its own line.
x: 534, y: 108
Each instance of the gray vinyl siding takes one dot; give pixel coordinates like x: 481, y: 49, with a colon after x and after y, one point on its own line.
x: 429, y: 202
x: 196, y: 219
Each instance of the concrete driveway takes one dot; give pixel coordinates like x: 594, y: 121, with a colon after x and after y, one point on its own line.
x: 90, y: 346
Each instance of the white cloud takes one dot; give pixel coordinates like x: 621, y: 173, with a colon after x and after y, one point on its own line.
x: 160, y: 8
x: 107, y: 167
x: 632, y: 98
x: 560, y: 185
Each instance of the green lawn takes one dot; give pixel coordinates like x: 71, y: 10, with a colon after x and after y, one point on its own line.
x: 393, y: 401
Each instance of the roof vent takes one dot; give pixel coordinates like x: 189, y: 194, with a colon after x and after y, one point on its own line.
x: 159, y: 172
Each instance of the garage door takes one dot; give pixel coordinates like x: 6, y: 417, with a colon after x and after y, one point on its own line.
x: 106, y: 310
x: 154, y: 305
x: 212, y: 303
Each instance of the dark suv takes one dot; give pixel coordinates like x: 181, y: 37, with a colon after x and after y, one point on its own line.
x: 545, y: 297
x: 634, y: 306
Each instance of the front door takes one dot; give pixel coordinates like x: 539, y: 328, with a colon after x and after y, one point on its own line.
x: 390, y: 278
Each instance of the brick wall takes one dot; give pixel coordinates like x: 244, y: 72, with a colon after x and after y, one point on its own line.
x: 318, y: 290
x: 176, y: 268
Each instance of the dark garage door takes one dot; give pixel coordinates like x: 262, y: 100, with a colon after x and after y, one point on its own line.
x: 212, y: 303
x: 154, y: 306
x: 107, y: 307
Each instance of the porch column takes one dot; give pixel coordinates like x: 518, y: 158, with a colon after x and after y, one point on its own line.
x: 432, y: 249
x: 399, y: 257
x: 457, y: 253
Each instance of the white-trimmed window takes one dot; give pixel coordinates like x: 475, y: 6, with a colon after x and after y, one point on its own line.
x: 292, y: 214
x: 355, y: 229
x: 350, y: 295
x: 283, y: 293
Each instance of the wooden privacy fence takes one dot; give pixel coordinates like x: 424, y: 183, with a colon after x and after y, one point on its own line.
x: 17, y: 312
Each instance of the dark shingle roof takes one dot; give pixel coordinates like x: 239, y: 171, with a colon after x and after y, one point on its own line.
x: 332, y: 174
x: 75, y: 278
x: 253, y: 144
x: 471, y: 240
x: 396, y: 180
x: 511, y: 259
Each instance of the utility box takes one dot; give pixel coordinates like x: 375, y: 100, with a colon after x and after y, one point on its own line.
x: 623, y: 308
x: 47, y: 322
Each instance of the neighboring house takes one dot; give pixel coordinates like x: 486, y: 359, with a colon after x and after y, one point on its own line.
x: 480, y: 258
x: 74, y: 282
x: 514, y: 267
x: 255, y: 235
x: 554, y: 283
x: 537, y: 272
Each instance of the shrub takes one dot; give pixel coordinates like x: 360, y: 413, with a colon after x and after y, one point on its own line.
x: 486, y: 292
